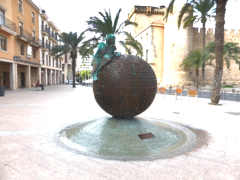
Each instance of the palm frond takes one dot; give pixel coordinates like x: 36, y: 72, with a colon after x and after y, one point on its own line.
x: 127, y: 49
x: 186, y: 9
x: 169, y: 9
x: 116, y: 20
x: 104, y: 24
x: 58, y: 51
x: 231, y: 51
x: 189, y: 20
x: 193, y: 60
x: 131, y: 42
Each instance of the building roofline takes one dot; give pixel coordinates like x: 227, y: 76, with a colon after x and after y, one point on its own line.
x: 53, y: 25
x: 34, y: 5
x: 149, y: 10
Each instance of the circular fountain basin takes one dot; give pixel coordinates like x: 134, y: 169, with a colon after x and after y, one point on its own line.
x: 120, y: 139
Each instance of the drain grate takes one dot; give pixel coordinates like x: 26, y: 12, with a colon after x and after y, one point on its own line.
x: 146, y: 136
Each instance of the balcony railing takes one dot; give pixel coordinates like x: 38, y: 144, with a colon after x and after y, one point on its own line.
x: 27, y: 37
x: 45, y: 30
x: 22, y: 35
x: 51, y: 34
x: 8, y: 25
x: 46, y: 46
x: 35, y: 42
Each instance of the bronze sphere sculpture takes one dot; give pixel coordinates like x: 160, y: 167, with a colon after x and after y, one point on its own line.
x: 126, y: 86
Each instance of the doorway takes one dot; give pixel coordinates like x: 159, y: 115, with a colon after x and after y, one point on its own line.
x: 6, y: 80
x: 22, y: 80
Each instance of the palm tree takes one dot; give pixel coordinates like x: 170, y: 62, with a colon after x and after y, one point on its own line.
x: 104, y: 25
x: 86, y: 50
x: 69, y: 43
x: 130, y: 43
x: 219, y: 39
x: 231, y: 51
x: 194, y: 60
x: 196, y: 11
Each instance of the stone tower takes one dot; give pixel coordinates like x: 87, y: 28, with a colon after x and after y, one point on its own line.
x: 164, y: 45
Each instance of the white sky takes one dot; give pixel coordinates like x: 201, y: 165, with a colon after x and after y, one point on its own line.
x: 71, y: 15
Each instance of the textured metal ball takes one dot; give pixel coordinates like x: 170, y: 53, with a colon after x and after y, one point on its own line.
x: 126, y: 86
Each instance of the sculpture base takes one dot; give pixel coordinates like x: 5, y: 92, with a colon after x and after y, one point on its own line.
x: 118, y: 139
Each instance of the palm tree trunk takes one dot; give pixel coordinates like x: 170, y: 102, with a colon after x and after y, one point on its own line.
x: 203, y: 46
x: 219, y: 40
x: 197, y: 77
x: 73, y: 71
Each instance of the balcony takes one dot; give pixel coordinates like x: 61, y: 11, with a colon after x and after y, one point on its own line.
x: 23, y: 36
x: 28, y: 38
x: 44, y: 46
x: 8, y: 26
x: 49, y: 48
x: 53, y: 38
x: 45, y: 31
x: 35, y: 42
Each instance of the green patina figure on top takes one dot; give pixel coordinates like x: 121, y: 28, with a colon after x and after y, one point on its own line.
x: 104, y: 54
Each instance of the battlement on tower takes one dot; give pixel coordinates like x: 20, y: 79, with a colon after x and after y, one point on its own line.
x: 230, y: 35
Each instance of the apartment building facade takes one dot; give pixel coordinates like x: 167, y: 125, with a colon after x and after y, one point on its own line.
x: 21, y: 47
x: 8, y: 32
x: 51, y: 66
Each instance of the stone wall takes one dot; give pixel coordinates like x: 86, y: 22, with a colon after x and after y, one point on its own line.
x: 230, y: 76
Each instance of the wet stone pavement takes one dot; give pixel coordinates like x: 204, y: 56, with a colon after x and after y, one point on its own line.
x: 30, y: 120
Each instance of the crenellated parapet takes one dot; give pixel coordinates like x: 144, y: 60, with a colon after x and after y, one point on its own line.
x: 230, y: 35
x: 148, y: 10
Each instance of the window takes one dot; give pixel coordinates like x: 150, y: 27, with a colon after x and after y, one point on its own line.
x: 2, y: 16
x: 42, y: 25
x: 29, y: 51
x: 34, y: 52
x: 33, y: 17
x: 43, y: 58
x: 43, y: 42
x: 21, y: 28
x: 47, y: 60
x: 22, y: 49
x: 3, y: 43
x: 20, y: 6
x: 33, y: 35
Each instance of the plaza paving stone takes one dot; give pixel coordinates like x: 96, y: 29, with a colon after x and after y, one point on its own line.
x: 30, y: 120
